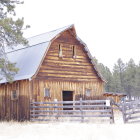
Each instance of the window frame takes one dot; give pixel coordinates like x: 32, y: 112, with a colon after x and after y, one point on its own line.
x: 87, y: 91
x: 12, y: 95
x: 49, y: 95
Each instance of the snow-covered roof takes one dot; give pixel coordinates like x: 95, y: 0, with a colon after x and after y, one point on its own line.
x: 28, y: 58
x: 41, y: 38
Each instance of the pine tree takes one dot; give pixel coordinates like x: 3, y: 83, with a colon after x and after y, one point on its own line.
x: 118, y: 76
x: 116, y: 80
x: 137, y: 85
x: 105, y: 71
x: 130, y: 78
x: 10, y: 35
x: 125, y: 77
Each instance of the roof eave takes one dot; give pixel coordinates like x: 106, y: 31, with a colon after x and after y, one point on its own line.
x: 90, y: 56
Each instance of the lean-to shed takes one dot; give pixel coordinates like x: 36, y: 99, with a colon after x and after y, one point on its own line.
x: 55, y: 65
x: 115, y: 96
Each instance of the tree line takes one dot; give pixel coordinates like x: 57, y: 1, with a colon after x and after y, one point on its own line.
x: 124, y: 78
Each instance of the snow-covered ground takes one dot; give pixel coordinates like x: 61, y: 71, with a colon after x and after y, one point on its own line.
x: 69, y: 131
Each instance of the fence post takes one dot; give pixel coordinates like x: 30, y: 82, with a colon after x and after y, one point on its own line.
x: 55, y: 100
x: 81, y: 109
x: 30, y: 110
x: 123, y: 112
x: 33, y: 110
x: 112, y: 113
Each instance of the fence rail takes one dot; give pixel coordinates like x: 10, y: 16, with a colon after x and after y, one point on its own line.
x: 130, y: 111
x: 81, y: 110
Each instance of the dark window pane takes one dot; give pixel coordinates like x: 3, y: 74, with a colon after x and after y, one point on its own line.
x: 14, y: 95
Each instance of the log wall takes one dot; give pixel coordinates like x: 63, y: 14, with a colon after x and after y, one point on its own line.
x: 67, y: 68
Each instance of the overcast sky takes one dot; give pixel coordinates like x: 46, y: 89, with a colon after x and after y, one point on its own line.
x: 110, y: 28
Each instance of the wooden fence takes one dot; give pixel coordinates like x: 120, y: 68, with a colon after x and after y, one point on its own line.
x: 91, y: 97
x: 130, y: 111
x: 80, y: 110
x: 132, y: 98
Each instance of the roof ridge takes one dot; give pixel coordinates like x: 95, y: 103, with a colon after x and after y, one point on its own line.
x: 24, y: 47
x: 51, y: 31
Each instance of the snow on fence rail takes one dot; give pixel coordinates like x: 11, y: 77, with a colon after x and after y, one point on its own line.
x: 82, y: 109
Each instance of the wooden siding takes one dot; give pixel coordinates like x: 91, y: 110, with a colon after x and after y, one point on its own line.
x: 116, y: 98
x: 56, y: 88
x: 67, y: 68
x: 56, y: 73
x: 34, y: 91
x: 15, y: 109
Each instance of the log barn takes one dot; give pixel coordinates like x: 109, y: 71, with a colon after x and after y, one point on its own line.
x: 56, y: 65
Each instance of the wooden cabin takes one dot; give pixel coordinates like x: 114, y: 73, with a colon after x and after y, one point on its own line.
x: 54, y: 66
x: 115, y: 96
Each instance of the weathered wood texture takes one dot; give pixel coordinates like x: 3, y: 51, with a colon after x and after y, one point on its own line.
x: 56, y: 73
x: 116, y: 98
x: 130, y: 111
x: 84, y: 110
x: 67, y: 68
x: 15, y: 109
x: 56, y: 88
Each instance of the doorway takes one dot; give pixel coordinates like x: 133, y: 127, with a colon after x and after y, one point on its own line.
x: 67, y: 96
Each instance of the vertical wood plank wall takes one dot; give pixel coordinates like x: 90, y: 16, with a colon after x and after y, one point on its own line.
x: 15, y: 109
x: 34, y: 90
x: 56, y: 88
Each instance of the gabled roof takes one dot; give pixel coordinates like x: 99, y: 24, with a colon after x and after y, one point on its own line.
x: 28, y: 58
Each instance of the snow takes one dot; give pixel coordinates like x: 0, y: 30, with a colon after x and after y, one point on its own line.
x: 69, y: 131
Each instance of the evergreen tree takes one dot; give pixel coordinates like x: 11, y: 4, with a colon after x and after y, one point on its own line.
x: 130, y: 78
x: 106, y: 73
x: 125, y: 78
x: 10, y: 35
x: 116, y: 80
x: 137, y: 85
x: 118, y: 76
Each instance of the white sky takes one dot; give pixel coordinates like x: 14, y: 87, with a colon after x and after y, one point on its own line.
x: 110, y: 28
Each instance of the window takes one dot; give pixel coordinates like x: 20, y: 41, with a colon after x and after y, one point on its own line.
x: 74, y: 51
x: 88, y: 92
x: 46, y: 92
x: 14, y: 95
x: 60, y: 50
